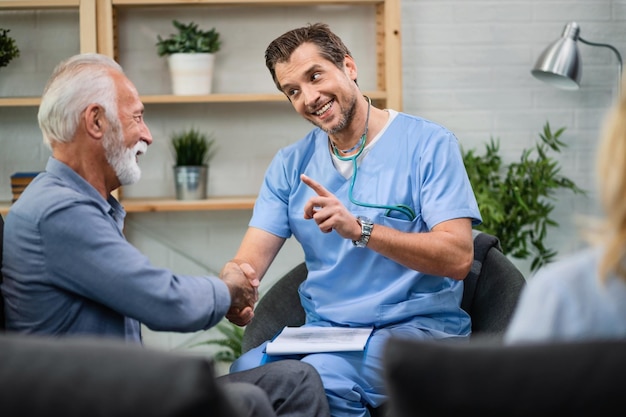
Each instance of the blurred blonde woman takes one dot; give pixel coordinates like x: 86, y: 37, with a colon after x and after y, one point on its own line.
x: 583, y: 296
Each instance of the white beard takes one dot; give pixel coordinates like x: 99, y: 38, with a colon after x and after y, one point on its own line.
x: 123, y: 160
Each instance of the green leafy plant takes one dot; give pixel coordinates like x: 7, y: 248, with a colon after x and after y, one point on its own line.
x: 189, y: 39
x: 193, y: 148
x: 8, y: 48
x: 515, y: 201
x: 231, y: 344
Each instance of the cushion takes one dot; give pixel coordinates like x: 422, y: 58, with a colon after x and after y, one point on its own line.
x: 483, y: 378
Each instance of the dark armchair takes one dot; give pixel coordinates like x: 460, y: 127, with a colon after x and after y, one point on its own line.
x: 490, y: 294
x: 491, y: 291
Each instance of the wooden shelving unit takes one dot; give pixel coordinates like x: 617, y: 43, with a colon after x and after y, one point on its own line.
x: 86, y: 11
x: 88, y: 43
x: 98, y: 33
x: 388, y: 41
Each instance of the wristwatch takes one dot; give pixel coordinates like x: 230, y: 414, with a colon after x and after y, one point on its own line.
x: 366, y: 231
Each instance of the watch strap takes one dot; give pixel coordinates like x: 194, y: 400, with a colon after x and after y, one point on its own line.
x: 366, y: 231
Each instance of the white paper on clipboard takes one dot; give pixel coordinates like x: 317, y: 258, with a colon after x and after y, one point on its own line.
x: 298, y: 340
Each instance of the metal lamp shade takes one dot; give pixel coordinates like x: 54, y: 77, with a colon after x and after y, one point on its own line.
x: 560, y: 64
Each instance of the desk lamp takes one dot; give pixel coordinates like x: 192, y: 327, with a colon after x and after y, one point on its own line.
x: 560, y: 63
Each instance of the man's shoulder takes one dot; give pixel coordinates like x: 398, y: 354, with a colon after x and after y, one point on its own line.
x: 413, y: 118
x: 44, y: 194
x: 410, y: 122
x: 572, y: 271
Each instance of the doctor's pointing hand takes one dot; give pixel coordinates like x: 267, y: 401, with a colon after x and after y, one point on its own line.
x: 329, y: 213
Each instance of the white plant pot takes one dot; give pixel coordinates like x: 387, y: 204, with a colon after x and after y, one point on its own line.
x: 192, y: 74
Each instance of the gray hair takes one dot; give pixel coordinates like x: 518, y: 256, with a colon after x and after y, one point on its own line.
x: 76, y: 83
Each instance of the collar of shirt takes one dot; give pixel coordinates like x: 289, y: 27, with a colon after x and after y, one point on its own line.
x: 69, y: 176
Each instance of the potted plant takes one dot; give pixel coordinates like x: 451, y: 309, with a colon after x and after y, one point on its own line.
x: 190, y: 53
x: 515, y: 200
x: 193, y: 150
x: 8, y: 48
x: 228, y: 345
x: 231, y: 345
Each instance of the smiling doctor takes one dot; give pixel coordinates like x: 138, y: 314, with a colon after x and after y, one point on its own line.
x: 380, y: 202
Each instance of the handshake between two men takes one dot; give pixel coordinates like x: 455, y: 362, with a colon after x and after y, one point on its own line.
x: 243, y: 284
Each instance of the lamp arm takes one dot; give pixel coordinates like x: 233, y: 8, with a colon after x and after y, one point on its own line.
x: 619, y: 60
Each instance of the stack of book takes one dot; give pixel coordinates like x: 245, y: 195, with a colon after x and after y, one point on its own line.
x: 19, y: 182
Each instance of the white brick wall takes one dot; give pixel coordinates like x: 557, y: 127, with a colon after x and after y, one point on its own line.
x: 466, y: 64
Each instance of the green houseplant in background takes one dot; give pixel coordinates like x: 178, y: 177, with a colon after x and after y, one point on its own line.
x: 189, y: 39
x: 8, y: 48
x: 231, y: 344
x: 191, y: 55
x: 192, y: 147
x: 193, y: 151
x: 516, y: 200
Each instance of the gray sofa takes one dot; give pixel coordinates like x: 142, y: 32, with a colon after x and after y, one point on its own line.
x: 73, y: 376
x: 96, y: 377
x: 487, y: 379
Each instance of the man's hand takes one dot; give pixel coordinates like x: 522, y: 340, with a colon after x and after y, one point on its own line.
x: 243, y: 284
x: 329, y: 213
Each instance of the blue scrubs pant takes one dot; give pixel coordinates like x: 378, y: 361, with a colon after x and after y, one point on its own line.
x: 352, y: 380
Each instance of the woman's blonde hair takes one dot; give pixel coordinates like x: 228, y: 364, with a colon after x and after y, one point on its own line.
x: 611, y: 170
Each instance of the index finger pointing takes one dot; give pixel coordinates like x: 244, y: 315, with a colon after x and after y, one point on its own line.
x: 315, y: 186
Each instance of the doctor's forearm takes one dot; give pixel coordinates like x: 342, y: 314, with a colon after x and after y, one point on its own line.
x: 436, y: 252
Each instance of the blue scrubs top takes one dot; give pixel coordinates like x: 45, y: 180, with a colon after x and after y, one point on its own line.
x: 414, y: 162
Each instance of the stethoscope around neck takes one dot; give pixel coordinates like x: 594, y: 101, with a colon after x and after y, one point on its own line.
x: 401, y: 208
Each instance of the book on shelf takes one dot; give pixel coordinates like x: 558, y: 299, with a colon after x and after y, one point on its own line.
x: 19, y: 182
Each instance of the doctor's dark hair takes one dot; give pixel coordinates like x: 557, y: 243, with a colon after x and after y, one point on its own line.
x: 330, y: 46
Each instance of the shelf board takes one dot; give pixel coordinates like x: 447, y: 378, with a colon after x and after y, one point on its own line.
x: 234, y: 98
x: 20, y: 101
x: 213, y: 98
x: 135, y: 205
x: 142, y: 205
x: 240, y: 2
x: 172, y: 99
x: 166, y: 99
x: 38, y: 4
